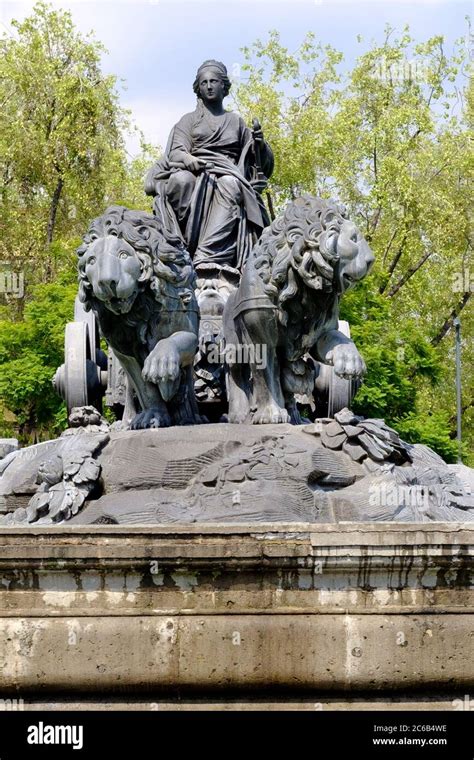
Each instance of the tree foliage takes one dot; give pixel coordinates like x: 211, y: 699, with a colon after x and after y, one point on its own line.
x: 30, y: 351
x: 62, y: 160
x: 61, y: 140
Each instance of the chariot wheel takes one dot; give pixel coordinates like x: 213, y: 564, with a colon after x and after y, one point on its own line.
x: 80, y: 381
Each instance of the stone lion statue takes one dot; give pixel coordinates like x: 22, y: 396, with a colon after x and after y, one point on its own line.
x: 285, y: 311
x: 141, y: 288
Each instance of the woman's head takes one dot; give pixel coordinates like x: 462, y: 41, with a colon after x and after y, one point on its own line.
x: 211, y: 80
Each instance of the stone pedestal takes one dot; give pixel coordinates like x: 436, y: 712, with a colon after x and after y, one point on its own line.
x: 313, y: 613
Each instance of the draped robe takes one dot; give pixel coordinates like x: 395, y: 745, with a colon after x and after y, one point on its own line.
x: 216, y: 212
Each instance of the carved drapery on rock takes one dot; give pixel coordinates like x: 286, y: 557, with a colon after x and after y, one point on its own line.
x: 363, y: 440
x: 70, y: 474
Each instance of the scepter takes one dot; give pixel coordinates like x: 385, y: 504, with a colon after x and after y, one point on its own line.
x: 258, y: 152
x: 261, y: 176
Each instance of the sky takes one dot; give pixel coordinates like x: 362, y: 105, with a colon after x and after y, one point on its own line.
x: 155, y: 46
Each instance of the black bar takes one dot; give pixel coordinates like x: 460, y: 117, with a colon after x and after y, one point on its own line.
x: 136, y: 735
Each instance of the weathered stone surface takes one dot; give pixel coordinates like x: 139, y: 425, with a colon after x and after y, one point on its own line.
x: 464, y: 474
x: 355, y: 452
x: 223, y: 473
x: 286, y: 652
x: 7, y: 445
x: 426, y: 702
x: 374, y: 449
x: 352, y: 430
x: 18, y: 473
x: 350, y: 609
x: 232, y: 472
x: 346, y: 417
x: 333, y: 441
x: 333, y: 429
x: 379, y: 442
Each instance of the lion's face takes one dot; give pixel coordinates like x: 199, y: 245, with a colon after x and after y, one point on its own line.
x: 354, y: 256
x: 114, y: 272
x: 347, y: 258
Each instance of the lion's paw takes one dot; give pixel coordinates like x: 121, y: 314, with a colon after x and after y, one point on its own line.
x: 150, y: 418
x: 347, y: 361
x: 162, y: 367
x: 162, y: 364
x: 270, y: 414
x: 238, y: 418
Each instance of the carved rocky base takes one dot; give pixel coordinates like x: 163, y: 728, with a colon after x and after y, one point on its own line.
x: 332, y: 471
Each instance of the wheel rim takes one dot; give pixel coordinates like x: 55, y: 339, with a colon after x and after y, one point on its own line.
x: 77, y: 353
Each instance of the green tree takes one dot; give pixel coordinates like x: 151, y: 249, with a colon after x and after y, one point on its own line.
x: 30, y: 351
x: 62, y: 161
x: 61, y: 140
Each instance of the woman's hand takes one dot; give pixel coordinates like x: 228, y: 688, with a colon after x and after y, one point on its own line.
x: 189, y: 162
x: 259, y: 185
x: 257, y: 132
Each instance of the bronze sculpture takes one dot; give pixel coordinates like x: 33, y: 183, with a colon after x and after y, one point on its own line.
x: 208, y: 209
x: 141, y: 288
x: 207, y: 185
x: 288, y: 301
x: 201, y: 292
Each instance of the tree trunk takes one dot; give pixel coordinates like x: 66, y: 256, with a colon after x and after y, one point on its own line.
x: 53, y: 210
x: 270, y: 205
x: 449, y: 322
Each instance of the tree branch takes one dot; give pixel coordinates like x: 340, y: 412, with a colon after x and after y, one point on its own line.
x: 393, y: 264
x: 389, y: 245
x: 270, y: 205
x: 409, y: 274
x: 449, y: 322
x: 53, y: 210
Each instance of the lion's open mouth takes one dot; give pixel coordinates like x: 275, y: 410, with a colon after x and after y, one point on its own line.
x: 120, y: 305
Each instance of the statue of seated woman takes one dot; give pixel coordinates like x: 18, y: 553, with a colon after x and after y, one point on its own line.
x: 207, y: 186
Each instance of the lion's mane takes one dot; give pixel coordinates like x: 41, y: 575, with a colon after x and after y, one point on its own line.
x: 297, y: 241
x: 166, y: 265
